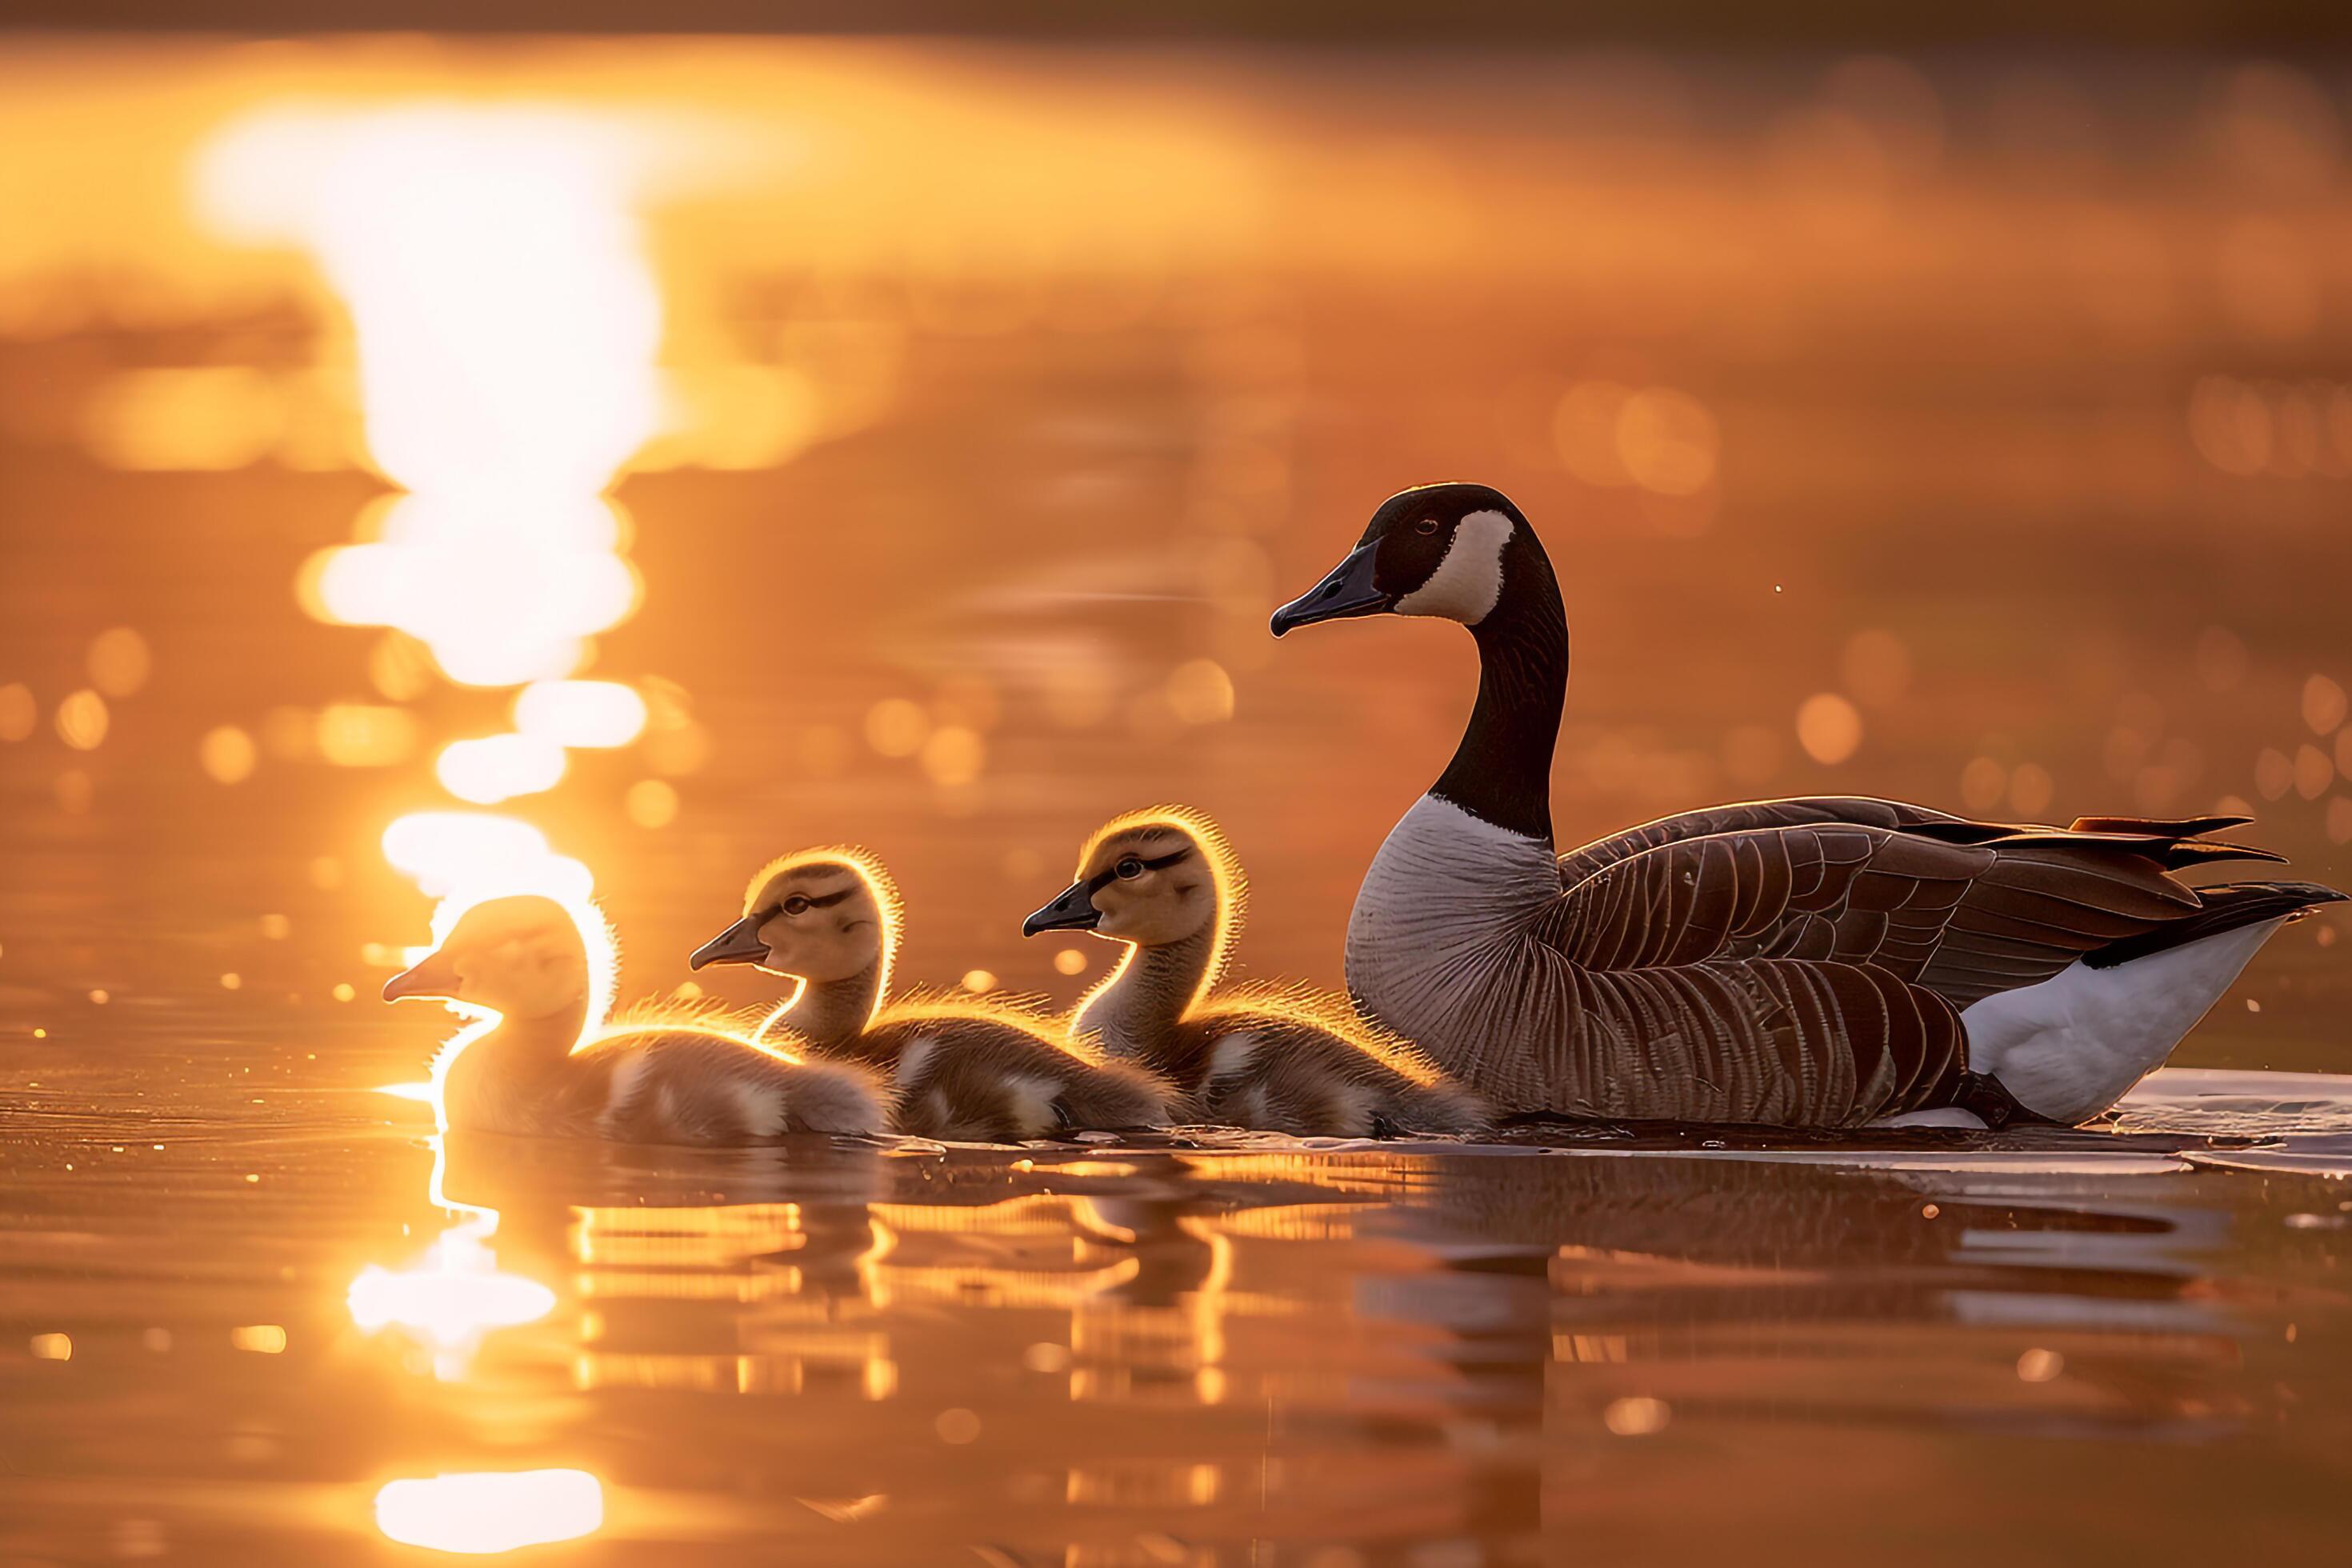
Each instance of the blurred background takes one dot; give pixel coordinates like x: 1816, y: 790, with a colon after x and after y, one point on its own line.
x: 616, y: 460
x: 517, y: 451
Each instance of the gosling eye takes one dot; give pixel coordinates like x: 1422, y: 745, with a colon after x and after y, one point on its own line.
x: 796, y: 905
x: 1425, y: 527
x: 1129, y: 868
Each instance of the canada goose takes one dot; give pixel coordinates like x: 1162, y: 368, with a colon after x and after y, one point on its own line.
x: 966, y: 1070
x: 1820, y: 962
x: 545, y: 1061
x: 1164, y: 882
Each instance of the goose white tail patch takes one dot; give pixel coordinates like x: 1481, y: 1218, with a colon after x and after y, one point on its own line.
x: 2069, y: 1047
x: 1943, y: 1116
x: 1469, y: 581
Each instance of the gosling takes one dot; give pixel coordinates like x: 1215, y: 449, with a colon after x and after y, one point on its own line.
x: 1164, y: 882
x: 546, y: 1062
x: 966, y: 1070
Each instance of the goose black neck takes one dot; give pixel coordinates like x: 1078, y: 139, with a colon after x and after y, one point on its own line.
x: 1501, y: 773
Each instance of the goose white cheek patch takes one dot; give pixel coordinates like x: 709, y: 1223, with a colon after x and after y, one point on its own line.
x: 1469, y: 581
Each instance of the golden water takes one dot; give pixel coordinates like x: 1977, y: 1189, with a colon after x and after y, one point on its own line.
x: 1977, y: 434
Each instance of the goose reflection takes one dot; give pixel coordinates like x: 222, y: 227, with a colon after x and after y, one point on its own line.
x: 1736, y: 1286
x: 736, y: 1271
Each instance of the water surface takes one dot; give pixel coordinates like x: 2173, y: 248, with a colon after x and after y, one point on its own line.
x: 1969, y: 431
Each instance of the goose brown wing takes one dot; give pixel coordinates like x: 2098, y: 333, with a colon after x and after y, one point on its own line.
x: 1826, y: 961
x: 1832, y: 891
x: 2046, y: 896
x: 1742, y: 816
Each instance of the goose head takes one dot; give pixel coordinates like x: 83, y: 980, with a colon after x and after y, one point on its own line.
x: 1149, y: 878
x: 817, y: 915
x: 521, y: 957
x: 1453, y: 550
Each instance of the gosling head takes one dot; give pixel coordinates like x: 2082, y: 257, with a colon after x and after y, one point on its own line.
x: 521, y: 957
x: 820, y: 915
x: 1450, y: 550
x: 1151, y: 878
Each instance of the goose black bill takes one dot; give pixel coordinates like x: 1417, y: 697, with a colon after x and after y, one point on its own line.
x: 1073, y: 908
x: 1346, y: 590
x: 739, y: 943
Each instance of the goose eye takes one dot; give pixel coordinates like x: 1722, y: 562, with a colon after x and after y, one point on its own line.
x: 1129, y: 868
x: 1425, y: 527
x: 796, y: 905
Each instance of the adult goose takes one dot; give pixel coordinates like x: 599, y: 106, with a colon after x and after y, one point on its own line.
x: 544, y: 1059
x: 1164, y: 883
x: 1826, y: 961
x: 967, y: 1068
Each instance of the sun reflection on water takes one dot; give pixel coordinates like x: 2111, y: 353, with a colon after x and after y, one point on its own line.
x: 455, y: 1294
x: 504, y: 324
x: 485, y: 1512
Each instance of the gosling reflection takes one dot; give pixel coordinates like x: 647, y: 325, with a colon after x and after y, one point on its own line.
x: 455, y: 1294
x: 546, y: 1062
x: 768, y: 1291
x: 1164, y: 882
x: 971, y: 1070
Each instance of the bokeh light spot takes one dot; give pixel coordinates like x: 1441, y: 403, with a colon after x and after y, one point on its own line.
x: 119, y: 661
x: 1639, y: 1417
x: 1829, y: 727
x: 357, y: 735
x: 2323, y: 704
x: 896, y: 727
x: 2315, y: 770
x: 1201, y: 692
x: 1982, y: 783
x: 227, y: 754
x: 82, y: 721
x: 2031, y: 789
x: 1667, y: 441
x: 651, y: 803
x: 953, y: 756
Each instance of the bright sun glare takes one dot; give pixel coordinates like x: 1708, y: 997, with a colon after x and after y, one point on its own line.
x: 485, y: 1511
x: 504, y: 326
